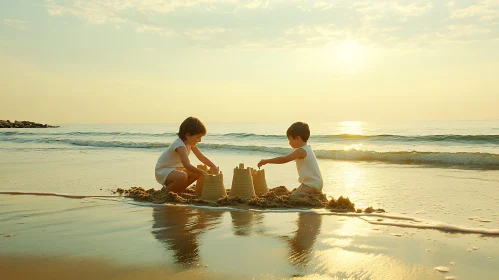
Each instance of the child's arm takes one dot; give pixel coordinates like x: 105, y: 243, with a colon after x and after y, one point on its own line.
x: 204, y: 159
x: 182, y: 152
x: 298, y: 153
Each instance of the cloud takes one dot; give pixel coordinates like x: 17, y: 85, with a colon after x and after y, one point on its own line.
x: 255, y: 4
x: 292, y: 23
x: 146, y: 28
x: 466, y: 33
x: 383, y: 9
x: 204, y: 34
x: 322, y: 30
x: 485, y: 10
x: 323, y: 5
x: 16, y: 23
x: 99, y: 11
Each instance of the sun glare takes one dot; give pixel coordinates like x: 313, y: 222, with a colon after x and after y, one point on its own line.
x: 348, y: 54
x: 351, y: 127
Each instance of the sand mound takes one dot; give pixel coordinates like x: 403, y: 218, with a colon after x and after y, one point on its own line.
x: 278, y: 197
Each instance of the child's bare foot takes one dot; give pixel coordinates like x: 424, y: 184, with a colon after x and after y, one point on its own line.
x: 303, y: 191
x: 167, y: 186
x: 300, y: 194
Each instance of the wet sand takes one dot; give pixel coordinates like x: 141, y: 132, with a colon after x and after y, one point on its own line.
x: 21, y: 268
x: 102, y: 238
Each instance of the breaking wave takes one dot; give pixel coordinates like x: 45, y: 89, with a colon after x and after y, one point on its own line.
x: 454, y: 138
x: 487, y: 161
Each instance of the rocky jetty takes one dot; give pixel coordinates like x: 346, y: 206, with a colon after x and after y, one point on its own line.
x: 23, y: 124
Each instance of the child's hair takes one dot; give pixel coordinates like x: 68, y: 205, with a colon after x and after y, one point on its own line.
x: 192, y: 126
x: 299, y: 129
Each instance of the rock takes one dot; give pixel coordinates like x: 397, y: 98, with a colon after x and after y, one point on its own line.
x: 23, y: 124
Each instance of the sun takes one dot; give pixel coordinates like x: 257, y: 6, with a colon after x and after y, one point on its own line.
x: 349, y: 54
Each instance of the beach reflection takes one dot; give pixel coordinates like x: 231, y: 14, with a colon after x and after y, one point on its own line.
x: 241, y: 222
x: 301, y: 245
x: 245, y: 223
x: 179, y: 228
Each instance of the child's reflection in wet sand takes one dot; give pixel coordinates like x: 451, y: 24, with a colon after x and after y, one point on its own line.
x: 179, y: 229
x: 301, y: 245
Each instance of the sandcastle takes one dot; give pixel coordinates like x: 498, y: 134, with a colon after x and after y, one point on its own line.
x: 200, y: 181
x: 259, y: 181
x: 213, y: 187
x: 242, y: 182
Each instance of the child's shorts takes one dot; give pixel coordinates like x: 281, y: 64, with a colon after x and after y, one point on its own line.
x: 162, y: 174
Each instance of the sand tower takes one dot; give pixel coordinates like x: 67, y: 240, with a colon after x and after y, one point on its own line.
x: 242, y: 182
x: 259, y: 181
x: 213, y: 188
x: 200, y: 181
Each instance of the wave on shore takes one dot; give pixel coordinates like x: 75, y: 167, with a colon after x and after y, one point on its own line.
x: 485, y: 161
x: 454, y: 138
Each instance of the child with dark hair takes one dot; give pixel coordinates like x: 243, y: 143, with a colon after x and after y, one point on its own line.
x: 174, y: 171
x: 310, y: 177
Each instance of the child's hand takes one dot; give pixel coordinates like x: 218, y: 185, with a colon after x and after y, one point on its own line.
x: 261, y: 163
x: 214, y: 170
x: 202, y: 172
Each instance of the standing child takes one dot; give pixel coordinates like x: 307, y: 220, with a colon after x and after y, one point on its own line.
x: 306, y: 163
x: 174, y: 170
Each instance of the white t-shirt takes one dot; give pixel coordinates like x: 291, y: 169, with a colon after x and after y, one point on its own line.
x: 169, y: 160
x: 308, y: 170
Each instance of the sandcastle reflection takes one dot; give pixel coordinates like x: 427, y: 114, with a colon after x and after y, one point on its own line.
x: 301, y: 245
x: 241, y: 222
x: 244, y: 222
x: 179, y: 229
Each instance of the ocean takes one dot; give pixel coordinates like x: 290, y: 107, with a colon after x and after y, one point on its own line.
x: 461, y: 144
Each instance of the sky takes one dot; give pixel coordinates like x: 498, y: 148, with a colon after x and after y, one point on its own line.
x: 153, y: 61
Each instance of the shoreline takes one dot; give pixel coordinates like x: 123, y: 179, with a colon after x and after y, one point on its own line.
x: 375, y: 218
